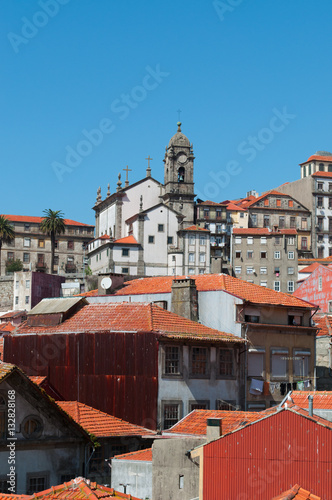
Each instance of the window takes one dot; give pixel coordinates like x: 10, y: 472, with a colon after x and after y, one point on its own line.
x: 330, y: 202
x: 238, y: 240
x: 290, y: 270
x: 199, y: 361
x: 225, y: 405
x: 294, y: 319
x: 250, y: 254
x: 160, y: 228
x: 277, y: 254
x: 320, y: 223
x: 171, y: 414
x: 191, y: 270
x: 250, y: 240
x: 256, y: 362
x: 172, y: 360
x: 202, y: 240
x: 266, y: 221
x: 37, y: 482
x: 319, y: 202
x: 226, y: 363
x: 27, y: 242
x: 56, y: 260
x: 250, y: 270
x: 263, y: 283
x: 199, y: 405
x: 278, y: 203
x: 281, y: 222
x: 16, y: 301
x: 292, y: 222
x: 304, y: 243
x: 330, y: 306
x: 181, y: 482
x: 237, y: 269
x: 279, y: 363
x: 27, y: 283
x: 27, y: 299
x: 201, y: 271
x: 191, y: 257
x: 320, y: 283
x: 263, y: 270
x: 218, y: 213
x: 291, y: 255
x: 263, y: 255
x: 191, y: 239
x: 320, y: 252
x: 253, y: 218
x: 70, y: 245
x: 304, y: 223
x: 32, y: 427
x: 10, y: 256
x: 290, y: 203
x: 206, y: 212
x: 202, y: 257
x: 320, y: 186
x: 266, y: 202
x: 276, y: 286
x: 125, y: 252
x: 277, y: 240
x: 238, y: 254
x: 330, y: 186
x: 251, y: 318
x: 41, y: 243
x: 169, y: 240
x: 263, y: 240
x: 26, y: 227
x: 301, y: 363
x: 26, y: 258
x: 125, y: 270
x: 290, y: 286
x: 150, y: 239
x: 291, y: 240
x: 320, y: 238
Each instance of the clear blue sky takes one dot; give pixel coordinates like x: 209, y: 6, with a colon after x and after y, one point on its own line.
x: 252, y: 78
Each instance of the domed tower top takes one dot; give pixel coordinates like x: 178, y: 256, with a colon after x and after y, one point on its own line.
x: 179, y: 139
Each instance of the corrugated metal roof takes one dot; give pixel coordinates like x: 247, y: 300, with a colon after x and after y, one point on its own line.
x: 53, y: 306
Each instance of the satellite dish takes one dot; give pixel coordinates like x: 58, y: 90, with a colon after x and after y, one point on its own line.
x: 106, y: 283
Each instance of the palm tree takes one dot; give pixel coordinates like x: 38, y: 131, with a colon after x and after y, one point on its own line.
x: 53, y: 223
x: 7, y: 233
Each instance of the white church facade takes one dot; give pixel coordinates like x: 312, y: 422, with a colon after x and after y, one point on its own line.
x: 147, y: 228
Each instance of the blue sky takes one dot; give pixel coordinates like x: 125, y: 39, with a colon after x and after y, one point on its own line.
x: 252, y: 80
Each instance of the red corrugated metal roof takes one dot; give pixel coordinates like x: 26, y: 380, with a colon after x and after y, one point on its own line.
x: 101, y: 424
x: 134, y: 317
x: 297, y: 493
x: 262, y: 459
x: 38, y: 220
x: 141, y: 455
x: 209, y: 282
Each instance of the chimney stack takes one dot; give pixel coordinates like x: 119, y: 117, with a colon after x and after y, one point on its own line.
x: 213, y: 429
x: 311, y: 405
x: 184, y: 298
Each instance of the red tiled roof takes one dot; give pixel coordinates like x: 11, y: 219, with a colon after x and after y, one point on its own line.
x: 38, y: 220
x: 317, y: 158
x: 6, y: 327
x: 91, y: 293
x: 232, y: 207
x: 322, y: 174
x: 264, y: 195
x: 324, y: 324
x: 310, y: 269
x: 208, y: 202
x: 208, y: 282
x: 130, y: 316
x: 322, y: 399
x: 194, y: 228
x: 37, y: 380
x: 324, y: 259
x: 103, y: 237
x: 141, y: 455
x: 13, y: 314
x: 76, y: 489
x: 99, y: 423
x: 297, y: 493
x: 129, y: 240
x: 195, y: 423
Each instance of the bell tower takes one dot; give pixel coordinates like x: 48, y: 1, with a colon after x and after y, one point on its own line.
x: 179, y: 176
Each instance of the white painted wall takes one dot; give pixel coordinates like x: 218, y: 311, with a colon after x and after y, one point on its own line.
x: 107, y: 220
x: 137, y: 474
x: 217, y: 309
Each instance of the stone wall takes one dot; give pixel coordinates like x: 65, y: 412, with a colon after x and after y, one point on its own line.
x: 6, y: 293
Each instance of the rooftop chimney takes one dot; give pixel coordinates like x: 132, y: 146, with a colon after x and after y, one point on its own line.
x: 213, y: 429
x: 184, y: 298
x: 311, y: 405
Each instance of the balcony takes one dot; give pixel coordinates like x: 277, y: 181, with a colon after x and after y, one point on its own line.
x: 41, y: 266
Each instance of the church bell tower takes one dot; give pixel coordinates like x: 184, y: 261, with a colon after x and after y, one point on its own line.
x: 179, y: 176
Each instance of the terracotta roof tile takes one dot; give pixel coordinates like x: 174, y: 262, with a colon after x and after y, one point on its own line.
x: 324, y: 323
x: 13, y: 314
x: 310, y: 269
x: 76, y: 489
x: 129, y: 240
x: 209, y: 202
x: 37, y: 380
x: 264, y: 195
x: 99, y: 423
x: 133, y: 317
x: 38, y: 220
x: 232, y: 207
x: 262, y: 230
x: 297, y: 493
x: 208, y: 282
x: 141, y: 455
x: 322, y: 399
x: 6, y: 327
x: 322, y: 174
x: 194, y: 228
x: 91, y: 293
x: 5, y: 369
x: 317, y: 158
x: 195, y: 423
x: 1, y: 348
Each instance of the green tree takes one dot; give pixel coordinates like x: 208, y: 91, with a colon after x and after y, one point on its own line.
x: 14, y: 266
x: 53, y: 224
x: 7, y: 233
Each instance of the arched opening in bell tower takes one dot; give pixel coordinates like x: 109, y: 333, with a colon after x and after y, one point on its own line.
x: 181, y: 173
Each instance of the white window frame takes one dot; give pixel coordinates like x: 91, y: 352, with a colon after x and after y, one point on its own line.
x: 255, y: 354
x: 27, y: 242
x: 250, y: 240
x: 191, y: 257
x: 290, y: 286
x: 276, y: 286
x: 238, y: 240
x: 291, y: 255
x: 277, y: 254
x: 238, y: 269
x: 263, y: 270
x: 192, y: 239
x: 298, y: 364
x: 263, y: 240
x: 281, y: 352
x: 290, y: 270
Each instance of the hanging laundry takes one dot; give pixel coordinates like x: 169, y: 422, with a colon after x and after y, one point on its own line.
x: 256, y: 386
x: 272, y: 387
x: 300, y: 386
x: 282, y: 388
x: 307, y: 384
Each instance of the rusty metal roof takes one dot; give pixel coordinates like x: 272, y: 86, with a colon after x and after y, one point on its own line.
x: 54, y: 306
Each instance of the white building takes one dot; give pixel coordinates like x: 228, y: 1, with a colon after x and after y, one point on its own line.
x: 146, y: 228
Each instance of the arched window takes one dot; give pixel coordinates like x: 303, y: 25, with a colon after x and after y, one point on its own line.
x: 321, y: 167
x: 181, y: 174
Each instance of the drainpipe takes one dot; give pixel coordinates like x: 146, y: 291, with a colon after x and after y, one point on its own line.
x: 311, y: 405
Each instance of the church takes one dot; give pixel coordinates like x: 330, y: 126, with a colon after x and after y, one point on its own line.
x: 147, y: 228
